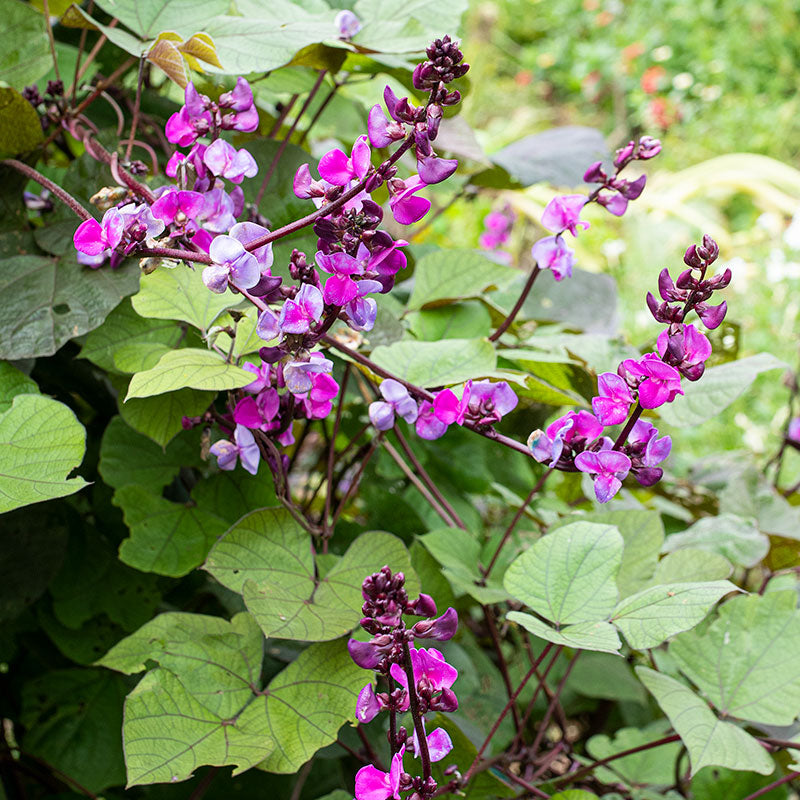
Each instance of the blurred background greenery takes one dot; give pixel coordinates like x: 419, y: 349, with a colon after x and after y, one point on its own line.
x: 714, y: 80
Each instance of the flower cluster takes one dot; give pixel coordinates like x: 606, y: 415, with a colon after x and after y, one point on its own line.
x: 496, y: 233
x: 354, y: 259
x: 562, y: 214
x: 415, y: 679
x: 575, y: 442
x: 481, y: 403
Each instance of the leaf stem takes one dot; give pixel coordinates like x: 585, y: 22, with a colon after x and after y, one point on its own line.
x: 63, y: 196
x: 419, y: 727
x: 552, y: 704
x: 526, y: 289
x: 625, y: 432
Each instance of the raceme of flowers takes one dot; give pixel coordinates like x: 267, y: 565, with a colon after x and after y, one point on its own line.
x: 202, y: 212
x: 575, y: 441
x: 409, y: 678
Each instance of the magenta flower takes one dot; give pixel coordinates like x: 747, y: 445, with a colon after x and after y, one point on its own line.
x: 223, y: 159
x: 579, y: 427
x: 372, y: 784
x: 439, y: 743
x: 347, y: 23
x: 563, y: 214
x: 660, y: 383
x: 317, y: 402
x: 609, y: 469
x: 139, y: 225
x: 240, y: 98
x: 430, y: 667
x: 490, y: 402
x: 263, y: 376
x: 299, y: 314
x: 449, y: 409
x: 93, y: 237
x: 793, y: 431
x: 433, y: 169
x: 193, y: 120
x: 243, y: 447
x: 367, y: 705
x: 615, y: 399
x: 553, y: 253
x: 305, y: 187
x: 259, y: 411
x: 382, y: 131
x: 231, y: 262
x: 178, y: 207
x: 336, y: 168
x: 396, y: 400
x: 406, y: 207
x: 429, y: 426
x: 687, y: 350
x: 614, y: 203
x: 299, y: 375
x: 655, y: 449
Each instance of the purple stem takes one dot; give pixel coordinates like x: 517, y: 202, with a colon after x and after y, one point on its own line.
x: 32, y: 174
x: 506, y: 323
x: 413, y: 700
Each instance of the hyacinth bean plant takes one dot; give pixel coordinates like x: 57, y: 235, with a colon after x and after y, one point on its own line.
x: 358, y: 515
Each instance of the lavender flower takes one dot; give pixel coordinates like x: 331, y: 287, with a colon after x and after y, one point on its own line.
x: 243, y: 447
x: 563, y: 214
x: 93, y: 237
x: 223, y: 159
x: 553, y: 253
x: 299, y: 314
x: 609, y: 469
x: 231, y: 262
x: 396, y: 400
x: 613, y: 404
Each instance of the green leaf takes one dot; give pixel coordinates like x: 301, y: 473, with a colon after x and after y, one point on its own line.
x: 188, y: 367
x: 457, y: 321
x: 20, y: 128
x: 41, y: 442
x: 12, y: 383
x: 168, y: 733
x: 730, y: 536
x: 159, y: 418
x: 747, y: 662
x: 266, y: 557
x: 690, y: 564
x: 148, y: 18
x: 44, y: 302
x: 555, y: 370
x: 714, y: 783
x: 127, y: 457
x: 180, y: 294
x: 166, y: 538
x: 568, y: 575
x: 430, y: 364
x: 25, y: 55
x: 720, y: 387
x: 710, y: 741
x: 445, y: 275
x: 605, y: 677
x: 231, y: 494
x: 72, y: 718
x: 122, y: 328
x: 653, y: 766
x: 599, y: 636
x: 653, y: 615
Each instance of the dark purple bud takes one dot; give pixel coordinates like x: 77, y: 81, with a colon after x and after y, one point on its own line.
x: 693, y: 372
x: 434, y: 115
x: 187, y: 423
x: 648, y: 148
x: 441, y: 629
x: 446, y: 702
x: 423, y: 606
x: 666, y: 287
x: 633, y: 189
x: 712, y: 316
x: 692, y: 258
x: 451, y: 98
x: 595, y: 173
x: 271, y: 355
x: 686, y: 281
x: 711, y: 247
x: 719, y: 281
x: 55, y: 88
x: 31, y: 94
x: 365, y: 654
x: 373, y: 182
x: 652, y: 304
x: 647, y: 476
x: 624, y: 153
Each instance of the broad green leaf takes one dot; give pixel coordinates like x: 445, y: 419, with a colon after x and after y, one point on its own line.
x: 430, y: 364
x: 714, y: 783
x: 148, y: 18
x: 454, y: 275
x: 690, y: 564
x: 72, y: 718
x: 166, y: 538
x: 12, y: 383
x: 573, y: 794
x: 538, y: 390
x: 219, y: 661
x: 599, y: 636
x: 85, y: 644
x: 308, y: 702
x: 20, y: 128
x: 41, y: 442
x: 188, y: 367
x: 124, y: 327
x: 45, y: 301
x: 558, y: 156
x: 267, y: 558
x: 128, y: 457
x: 653, y: 615
x: 653, y: 766
x: 180, y: 294
x: 138, y: 356
x: 168, y: 733
x: 232, y: 494
x: 159, y: 418
x: 710, y: 741
x: 555, y: 370
x: 568, y: 575
x: 747, y: 662
x: 605, y: 677
x: 456, y: 321
x: 719, y: 388
x: 730, y: 536
x: 25, y: 55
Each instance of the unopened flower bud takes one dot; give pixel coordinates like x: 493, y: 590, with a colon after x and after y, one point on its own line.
x: 423, y: 606
x: 686, y: 280
x: 595, y: 173
x: 624, y: 154
x: 648, y: 148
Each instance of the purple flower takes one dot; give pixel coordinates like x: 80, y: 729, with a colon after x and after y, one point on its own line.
x: 429, y: 426
x: 660, y: 383
x: 441, y: 629
x: 193, y: 119
x: 449, y: 409
x: 298, y: 315
x: 240, y: 98
x: 711, y: 316
x: 793, y: 431
x: 648, y: 148
x: 489, y: 402
x: 428, y: 666
x: 298, y: 375
x: 336, y: 168
x: 218, y: 211
x: 231, y: 262
x: 257, y: 412
x: 366, y: 654
x: 396, y: 400
x: 615, y: 399
x: 245, y: 232
x: 563, y: 214
x: 223, y: 159
x: 367, y: 705
x: 609, y: 468
x: 263, y: 376
x: 347, y: 23
x: 553, y: 253
x: 406, y: 207
x: 655, y: 450
x: 243, y: 447
x: 615, y: 203
x: 439, y: 743
x: 372, y: 784
x: 305, y: 187
x: 578, y: 427
x: 382, y: 131
x: 687, y: 350
x: 268, y: 326
x: 433, y: 169
x: 317, y: 402
x: 179, y: 207
x: 362, y: 310
x: 93, y: 237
